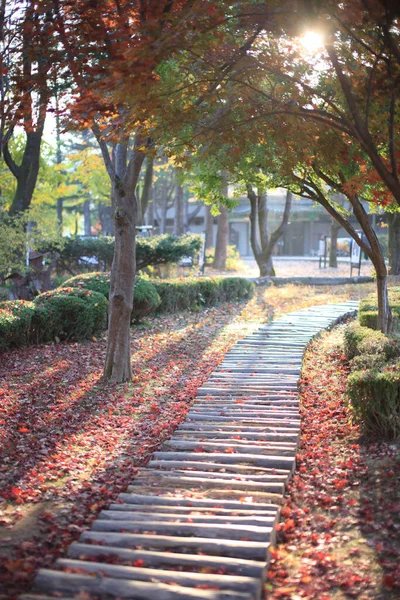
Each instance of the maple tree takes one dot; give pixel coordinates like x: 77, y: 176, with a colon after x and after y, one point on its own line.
x: 118, y: 75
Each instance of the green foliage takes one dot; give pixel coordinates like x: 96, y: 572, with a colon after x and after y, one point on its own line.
x: 145, y: 297
x: 97, y: 282
x: 368, y: 310
x: 72, y: 313
x: 15, y: 323
x: 166, y: 248
x: 375, y: 398
x: 193, y: 295
x: 152, y: 251
x: 360, y: 340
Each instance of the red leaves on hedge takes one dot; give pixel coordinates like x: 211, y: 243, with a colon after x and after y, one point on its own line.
x: 340, y: 527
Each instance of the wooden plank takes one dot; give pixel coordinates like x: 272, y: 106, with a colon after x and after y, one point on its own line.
x: 54, y: 581
x: 231, y: 566
x: 220, y: 547
x: 237, y: 583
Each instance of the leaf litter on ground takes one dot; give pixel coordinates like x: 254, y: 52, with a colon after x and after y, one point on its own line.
x: 71, y: 441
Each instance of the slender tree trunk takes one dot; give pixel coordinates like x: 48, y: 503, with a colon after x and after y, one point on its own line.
x: 27, y: 173
x: 118, y: 356
x: 60, y: 203
x: 164, y: 209
x: 261, y: 242
x: 86, y: 218
x: 221, y: 245
x: 209, y: 228
x: 124, y: 181
x: 394, y: 243
x: 333, y: 247
x: 384, y: 312
x: 147, y: 188
x: 106, y: 219
x: 179, y: 212
x: 185, y: 216
x: 150, y: 213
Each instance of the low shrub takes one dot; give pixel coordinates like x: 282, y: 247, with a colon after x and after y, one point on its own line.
x: 236, y: 288
x: 145, y: 296
x: 360, y: 340
x: 368, y: 310
x: 145, y: 299
x: 72, y: 313
x: 375, y: 398
x: 97, y: 282
x: 198, y: 293
x: 15, y: 323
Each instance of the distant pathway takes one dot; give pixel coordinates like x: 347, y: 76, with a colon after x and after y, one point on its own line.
x: 197, y: 522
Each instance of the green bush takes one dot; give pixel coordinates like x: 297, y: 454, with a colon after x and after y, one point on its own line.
x: 359, y: 340
x: 15, y: 323
x: 77, y: 254
x: 375, y: 398
x: 368, y: 310
x: 195, y: 294
x: 236, y: 288
x: 97, y: 282
x: 72, y: 313
x: 145, y: 297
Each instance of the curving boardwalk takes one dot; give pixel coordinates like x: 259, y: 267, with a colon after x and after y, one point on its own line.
x: 198, y: 521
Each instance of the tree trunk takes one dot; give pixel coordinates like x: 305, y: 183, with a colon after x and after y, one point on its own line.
x: 209, y: 228
x: 384, y: 312
x: 124, y: 178
x: 164, y: 209
x: 147, y: 189
x: 333, y: 247
x: 27, y: 173
x: 106, y: 219
x: 261, y: 243
x: 179, y: 214
x: 394, y: 243
x: 118, y: 357
x: 86, y: 218
x: 221, y: 245
x: 60, y: 202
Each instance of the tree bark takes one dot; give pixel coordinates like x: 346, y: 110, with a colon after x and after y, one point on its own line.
x: 124, y: 176
x: 333, y: 247
x: 209, y: 228
x: 179, y: 211
x: 164, y: 208
x: 147, y: 189
x: 394, y: 243
x: 86, y: 218
x: 106, y: 219
x: 261, y: 243
x: 27, y: 172
x: 221, y: 245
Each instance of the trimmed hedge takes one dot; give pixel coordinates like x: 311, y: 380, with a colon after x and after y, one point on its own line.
x: 72, y: 313
x: 145, y: 296
x: 368, y: 310
x: 359, y: 340
x: 193, y: 295
x: 15, y: 323
x: 374, y: 383
x: 375, y: 398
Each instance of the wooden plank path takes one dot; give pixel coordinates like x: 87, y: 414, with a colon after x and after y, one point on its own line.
x: 198, y: 521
